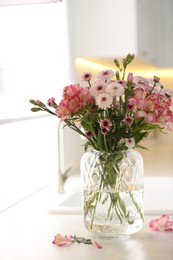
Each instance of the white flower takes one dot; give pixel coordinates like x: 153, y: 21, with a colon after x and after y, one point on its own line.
x: 139, y: 79
x: 104, y: 100
x: 130, y: 143
x: 106, y: 74
x: 115, y: 89
x: 86, y: 76
x: 97, y: 88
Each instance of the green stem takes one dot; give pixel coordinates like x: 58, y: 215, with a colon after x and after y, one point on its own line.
x: 136, y: 206
x: 93, y: 215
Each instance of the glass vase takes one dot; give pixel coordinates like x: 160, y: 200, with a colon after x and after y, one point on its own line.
x: 113, y: 203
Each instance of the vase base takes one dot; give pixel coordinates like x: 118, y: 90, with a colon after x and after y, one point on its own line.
x: 114, y: 231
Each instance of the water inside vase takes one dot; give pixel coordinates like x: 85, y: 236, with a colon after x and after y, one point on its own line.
x: 113, y: 214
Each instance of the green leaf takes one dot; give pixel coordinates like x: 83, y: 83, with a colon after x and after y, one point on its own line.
x: 142, y: 147
x: 85, y: 125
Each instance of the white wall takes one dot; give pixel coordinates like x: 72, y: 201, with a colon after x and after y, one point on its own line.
x: 102, y: 28
x: 34, y: 63
x: 28, y: 158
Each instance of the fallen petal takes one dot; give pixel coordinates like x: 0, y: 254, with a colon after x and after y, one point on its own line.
x: 98, y: 245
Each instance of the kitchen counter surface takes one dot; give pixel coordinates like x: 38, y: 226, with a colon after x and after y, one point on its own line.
x: 27, y: 231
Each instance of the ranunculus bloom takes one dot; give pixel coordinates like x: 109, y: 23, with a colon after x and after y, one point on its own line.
x: 161, y: 224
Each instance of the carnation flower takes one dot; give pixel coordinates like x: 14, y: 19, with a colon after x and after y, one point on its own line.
x: 130, y: 143
x: 105, y: 123
x: 115, y: 89
x: 104, y: 130
x: 128, y: 120
x: 98, y: 88
x: 104, y: 101
x: 106, y: 74
x: 86, y: 76
x: 88, y: 133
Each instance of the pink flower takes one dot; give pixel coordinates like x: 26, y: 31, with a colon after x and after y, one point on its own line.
x: 151, y: 105
x: 161, y: 224
x: 140, y: 114
x: 50, y: 101
x: 89, y: 134
x: 37, y: 102
x: 62, y: 110
x: 150, y: 118
x: 85, y: 96
x: 140, y: 93
x: 74, y: 104
x: 98, y: 245
x: 117, y: 104
x: 106, y: 123
x: 87, y: 76
x: 104, y: 130
x: 128, y: 120
x: 131, y: 103
x: 130, y: 76
x: 141, y: 103
x: 60, y: 240
x: 70, y: 91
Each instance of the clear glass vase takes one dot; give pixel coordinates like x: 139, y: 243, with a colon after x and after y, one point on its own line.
x: 113, y: 203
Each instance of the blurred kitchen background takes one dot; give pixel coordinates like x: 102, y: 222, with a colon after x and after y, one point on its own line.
x: 46, y: 45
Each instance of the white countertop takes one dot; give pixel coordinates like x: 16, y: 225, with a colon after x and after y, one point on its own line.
x: 27, y: 231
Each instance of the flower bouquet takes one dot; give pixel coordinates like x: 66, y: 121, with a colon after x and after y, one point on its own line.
x: 113, y: 114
